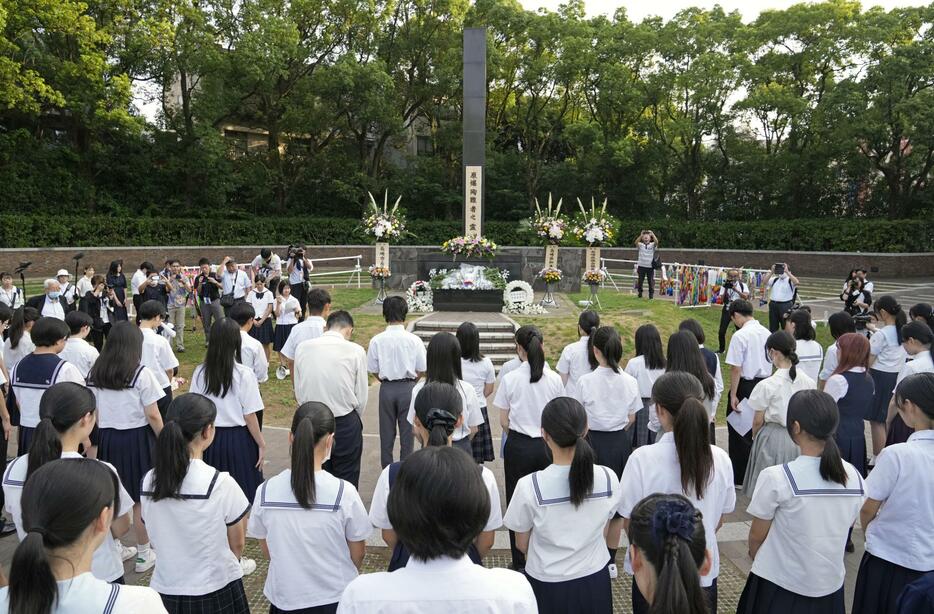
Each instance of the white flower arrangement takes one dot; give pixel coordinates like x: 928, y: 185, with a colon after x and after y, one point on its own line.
x: 383, y: 223
x: 419, y: 298
x: 594, y: 227
x: 519, y: 299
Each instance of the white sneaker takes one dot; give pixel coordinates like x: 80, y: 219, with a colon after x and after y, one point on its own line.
x: 247, y: 565
x: 145, y: 562
x: 613, y: 571
x: 126, y: 552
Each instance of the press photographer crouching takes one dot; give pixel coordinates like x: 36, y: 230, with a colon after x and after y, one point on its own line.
x: 733, y: 289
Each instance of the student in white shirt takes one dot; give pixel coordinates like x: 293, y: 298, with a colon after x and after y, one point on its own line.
x: 127, y: 394
x: 916, y: 340
x: 712, y: 362
x: 898, y: 515
x: 77, y: 351
x: 138, y: 278
x: 239, y: 446
x: 438, y: 415
x: 772, y: 445
x: 748, y: 366
x: 782, y: 287
x: 810, y: 353
x: 521, y: 397
x: 18, y: 343
x: 664, y: 531
x: 67, y: 412
x: 852, y: 388
x: 576, y: 358
x: 887, y: 357
x: 68, y: 507
x: 262, y: 301
x: 312, y: 327
x: 311, y: 525
x: 560, y: 516
x: 157, y: 350
x: 10, y: 295
x: 84, y: 285
x: 197, y: 516
x: 839, y: 323
x: 682, y: 462
x: 287, y: 310
x: 397, y: 358
x: 802, y: 513
x: 251, y: 350
x: 477, y: 370
x: 437, y: 506
x: 684, y: 354
x: 646, y: 366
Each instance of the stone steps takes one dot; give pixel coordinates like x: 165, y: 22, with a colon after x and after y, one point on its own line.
x: 497, y: 338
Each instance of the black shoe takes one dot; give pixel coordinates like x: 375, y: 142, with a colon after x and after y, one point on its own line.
x: 850, y: 547
x: 8, y: 528
x: 720, y: 351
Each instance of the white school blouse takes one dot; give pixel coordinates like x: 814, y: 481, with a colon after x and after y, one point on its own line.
x: 471, y: 410
x: 396, y: 354
x: 85, y: 593
x: 287, y: 311
x: 107, y: 563
x: 440, y: 585
x: 811, y: 518
x: 478, y: 374
x: 655, y: 469
x: 646, y: 379
x: 920, y: 363
x: 903, y: 481
x: 309, y: 560
x: 125, y: 409
x: 574, y: 363
x: 260, y: 303
x: 609, y: 398
x: 12, y: 355
x: 830, y: 362
x: 191, y: 532
x: 29, y: 398
x: 747, y: 350
x: 810, y: 354
x: 525, y: 400
x: 772, y: 394
x: 508, y: 367
x: 253, y: 356
x: 311, y: 328
x: 889, y: 353
x: 567, y: 542
x: 158, y: 355
x: 379, y: 515
x: 80, y: 353
x: 242, y: 398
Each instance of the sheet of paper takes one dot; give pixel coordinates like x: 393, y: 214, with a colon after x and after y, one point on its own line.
x: 741, y: 421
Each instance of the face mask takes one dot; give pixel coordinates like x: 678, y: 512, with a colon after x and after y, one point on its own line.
x: 54, y: 295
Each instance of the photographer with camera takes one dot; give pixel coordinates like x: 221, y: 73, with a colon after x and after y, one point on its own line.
x: 733, y: 289
x: 236, y: 284
x: 100, y: 302
x: 783, y: 290
x: 178, y: 301
x: 647, y: 243
x: 155, y: 287
x: 856, y: 300
x: 269, y: 266
x: 208, y: 287
x: 299, y: 268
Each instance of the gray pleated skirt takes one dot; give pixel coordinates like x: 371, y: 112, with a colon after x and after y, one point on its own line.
x: 772, y: 446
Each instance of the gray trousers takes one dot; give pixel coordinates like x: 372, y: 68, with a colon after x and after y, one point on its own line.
x: 177, y: 319
x: 394, y: 401
x: 210, y: 314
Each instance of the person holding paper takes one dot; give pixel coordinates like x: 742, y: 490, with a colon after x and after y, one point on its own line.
x: 772, y: 444
x: 748, y: 366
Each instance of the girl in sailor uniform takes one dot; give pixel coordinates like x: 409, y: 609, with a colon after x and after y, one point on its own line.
x: 646, y: 366
x: 443, y: 358
x: 438, y: 506
x: 35, y: 373
x: 682, y: 463
x: 839, y: 323
x: 851, y: 387
x: 802, y: 513
x: 684, y: 354
x: 67, y: 412
x: 238, y: 446
x: 521, y: 397
x: 772, y: 444
x: 916, y: 340
x: 67, y: 507
x: 311, y: 525
x: 576, y: 358
x: 898, y: 515
x: 197, y: 516
x: 262, y: 301
x: 560, y: 516
x: 887, y: 357
x: 667, y: 547
x: 287, y: 310
x: 438, y: 416
x: 477, y: 370
x: 18, y: 343
x: 127, y: 396
x: 810, y: 353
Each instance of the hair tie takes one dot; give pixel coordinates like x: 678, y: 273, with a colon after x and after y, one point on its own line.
x: 674, y: 518
x: 440, y: 417
x: 38, y: 531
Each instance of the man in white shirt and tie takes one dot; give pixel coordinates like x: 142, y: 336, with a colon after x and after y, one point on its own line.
x: 782, y: 286
x: 331, y: 369
x: 52, y: 303
x: 319, y: 308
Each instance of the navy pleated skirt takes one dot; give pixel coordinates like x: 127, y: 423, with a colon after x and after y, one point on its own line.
x: 130, y: 452
x: 463, y: 444
x: 853, y: 451
x: 24, y: 439
x: 264, y: 333
x: 235, y: 452
x: 878, y: 585
x: 228, y: 600
x: 763, y: 597
x: 330, y: 608
x: 281, y: 335
x: 588, y: 595
x: 885, y: 384
x: 612, y: 448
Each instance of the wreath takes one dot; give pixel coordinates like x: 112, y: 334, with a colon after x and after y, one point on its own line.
x: 525, y: 305
x: 419, y: 298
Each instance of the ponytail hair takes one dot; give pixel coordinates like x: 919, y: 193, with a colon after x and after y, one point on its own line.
x: 607, y: 340
x: 669, y: 532
x: 187, y: 416
x: 21, y: 317
x: 919, y: 389
x: 784, y: 344
x: 588, y: 321
x: 924, y: 312
x: 565, y: 422
x: 530, y: 338
x: 312, y: 422
x: 889, y: 304
x: 816, y: 413
x: 438, y: 406
x: 691, y: 430
x: 61, y: 407
x: 58, y: 506
x: 804, y: 327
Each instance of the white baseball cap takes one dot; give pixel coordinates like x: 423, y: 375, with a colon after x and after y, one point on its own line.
x: 63, y: 272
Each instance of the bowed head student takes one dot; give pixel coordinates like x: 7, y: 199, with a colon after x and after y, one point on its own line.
x: 646, y: 366
x: 577, y: 358
x: 478, y: 371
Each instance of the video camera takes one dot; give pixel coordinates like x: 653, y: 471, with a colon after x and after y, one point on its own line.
x: 296, y: 251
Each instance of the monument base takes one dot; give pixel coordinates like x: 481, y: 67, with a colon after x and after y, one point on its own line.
x: 468, y: 300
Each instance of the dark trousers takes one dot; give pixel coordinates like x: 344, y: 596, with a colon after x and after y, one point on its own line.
x: 348, y: 448
x: 522, y: 455
x: 330, y: 608
x: 724, y: 326
x: 777, y: 311
x: 227, y: 309
x: 646, y: 273
x: 740, y: 445
x: 641, y: 606
x: 300, y: 292
x: 394, y: 400
x: 137, y: 301
x: 163, y: 403
x: 210, y: 313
